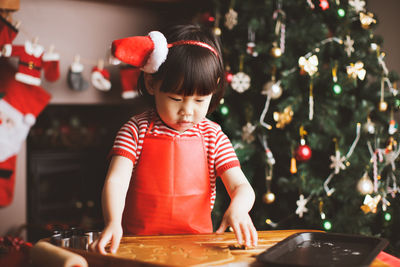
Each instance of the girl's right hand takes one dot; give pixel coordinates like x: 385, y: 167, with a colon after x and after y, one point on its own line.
x: 111, y: 233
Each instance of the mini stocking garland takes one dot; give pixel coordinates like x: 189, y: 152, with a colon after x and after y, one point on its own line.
x: 129, y: 76
x: 75, y: 78
x: 101, y: 77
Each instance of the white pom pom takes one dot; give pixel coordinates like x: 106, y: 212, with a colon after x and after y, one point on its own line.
x: 30, y: 119
x: 159, y: 54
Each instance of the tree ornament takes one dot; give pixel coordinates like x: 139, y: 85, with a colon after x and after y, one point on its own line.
x: 303, y: 151
x: 247, y: 132
x: 269, y: 197
x: 348, y: 45
x: 366, y: 19
x: 309, y: 65
x: 250, y: 49
x: 301, y: 206
x: 217, y: 31
x: 276, y: 52
x: 383, y: 106
x: 240, y: 82
x: 310, y: 4
x: 337, y: 160
x: 251, y: 43
x: 365, y: 185
x: 293, y: 167
x: 231, y: 19
x: 393, y: 126
x: 272, y: 88
x: 311, y: 102
x: 357, y: 5
x: 283, y: 118
x: 337, y: 89
x: 356, y: 70
x: 324, y: 4
x: 228, y: 74
x: 370, y: 203
x: 321, y: 210
x: 280, y: 31
x: 369, y: 126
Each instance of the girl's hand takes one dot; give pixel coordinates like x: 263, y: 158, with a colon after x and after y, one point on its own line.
x: 111, y: 233
x: 242, y: 225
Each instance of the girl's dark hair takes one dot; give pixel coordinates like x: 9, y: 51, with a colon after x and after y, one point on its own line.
x: 190, y: 69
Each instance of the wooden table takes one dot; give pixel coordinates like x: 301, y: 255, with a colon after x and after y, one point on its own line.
x: 189, y: 250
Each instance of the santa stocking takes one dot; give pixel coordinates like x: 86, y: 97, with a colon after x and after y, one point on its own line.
x: 18, y: 111
x: 7, y: 180
x: 75, y: 78
x: 129, y: 77
x: 101, y: 79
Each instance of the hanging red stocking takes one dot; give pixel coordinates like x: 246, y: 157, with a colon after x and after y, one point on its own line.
x: 51, y: 65
x: 19, y: 107
x: 7, y: 180
x: 129, y: 77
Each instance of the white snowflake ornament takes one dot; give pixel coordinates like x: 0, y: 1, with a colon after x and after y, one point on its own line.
x: 358, y: 5
x: 301, y: 206
x: 337, y: 162
x: 231, y: 19
x: 240, y: 82
x: 348, y: 45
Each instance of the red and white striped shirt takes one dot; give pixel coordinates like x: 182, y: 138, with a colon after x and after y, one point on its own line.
x: 220, y: 153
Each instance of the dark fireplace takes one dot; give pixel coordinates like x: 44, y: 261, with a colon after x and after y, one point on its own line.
x: 67, y: 164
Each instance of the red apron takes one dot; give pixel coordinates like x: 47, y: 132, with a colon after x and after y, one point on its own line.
x: 169, y: 192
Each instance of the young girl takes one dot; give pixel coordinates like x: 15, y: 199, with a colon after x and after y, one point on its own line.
x: 165, y: 161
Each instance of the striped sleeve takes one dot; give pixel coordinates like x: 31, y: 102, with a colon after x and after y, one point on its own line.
x: 225, y: 156
x: 126, y: 141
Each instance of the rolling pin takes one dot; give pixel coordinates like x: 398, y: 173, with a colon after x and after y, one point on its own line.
x: 45, y: 254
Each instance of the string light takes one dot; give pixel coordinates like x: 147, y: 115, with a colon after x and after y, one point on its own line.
x: 327, y: 225
x: 387, y: 216
x: 224, y: 110
x: 337, y: 89
x: 341, y: 13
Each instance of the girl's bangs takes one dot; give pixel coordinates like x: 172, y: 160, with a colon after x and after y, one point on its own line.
x: 196, y: 75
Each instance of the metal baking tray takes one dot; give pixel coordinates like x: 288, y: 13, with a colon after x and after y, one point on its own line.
x: 323, y: 249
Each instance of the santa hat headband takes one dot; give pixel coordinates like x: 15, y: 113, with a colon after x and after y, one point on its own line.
x: 149, y: 52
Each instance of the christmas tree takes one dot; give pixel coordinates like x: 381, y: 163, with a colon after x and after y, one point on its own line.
x: 310, y: 111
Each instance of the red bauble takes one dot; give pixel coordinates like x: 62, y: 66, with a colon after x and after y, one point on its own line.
x: 324, y: 4
x: 228, y: 76
x: 303, y: 153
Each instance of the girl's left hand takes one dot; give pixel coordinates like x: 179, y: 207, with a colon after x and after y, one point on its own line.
x: 243, y: 227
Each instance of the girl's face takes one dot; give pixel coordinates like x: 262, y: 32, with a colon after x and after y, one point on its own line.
x: 177, y: 111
